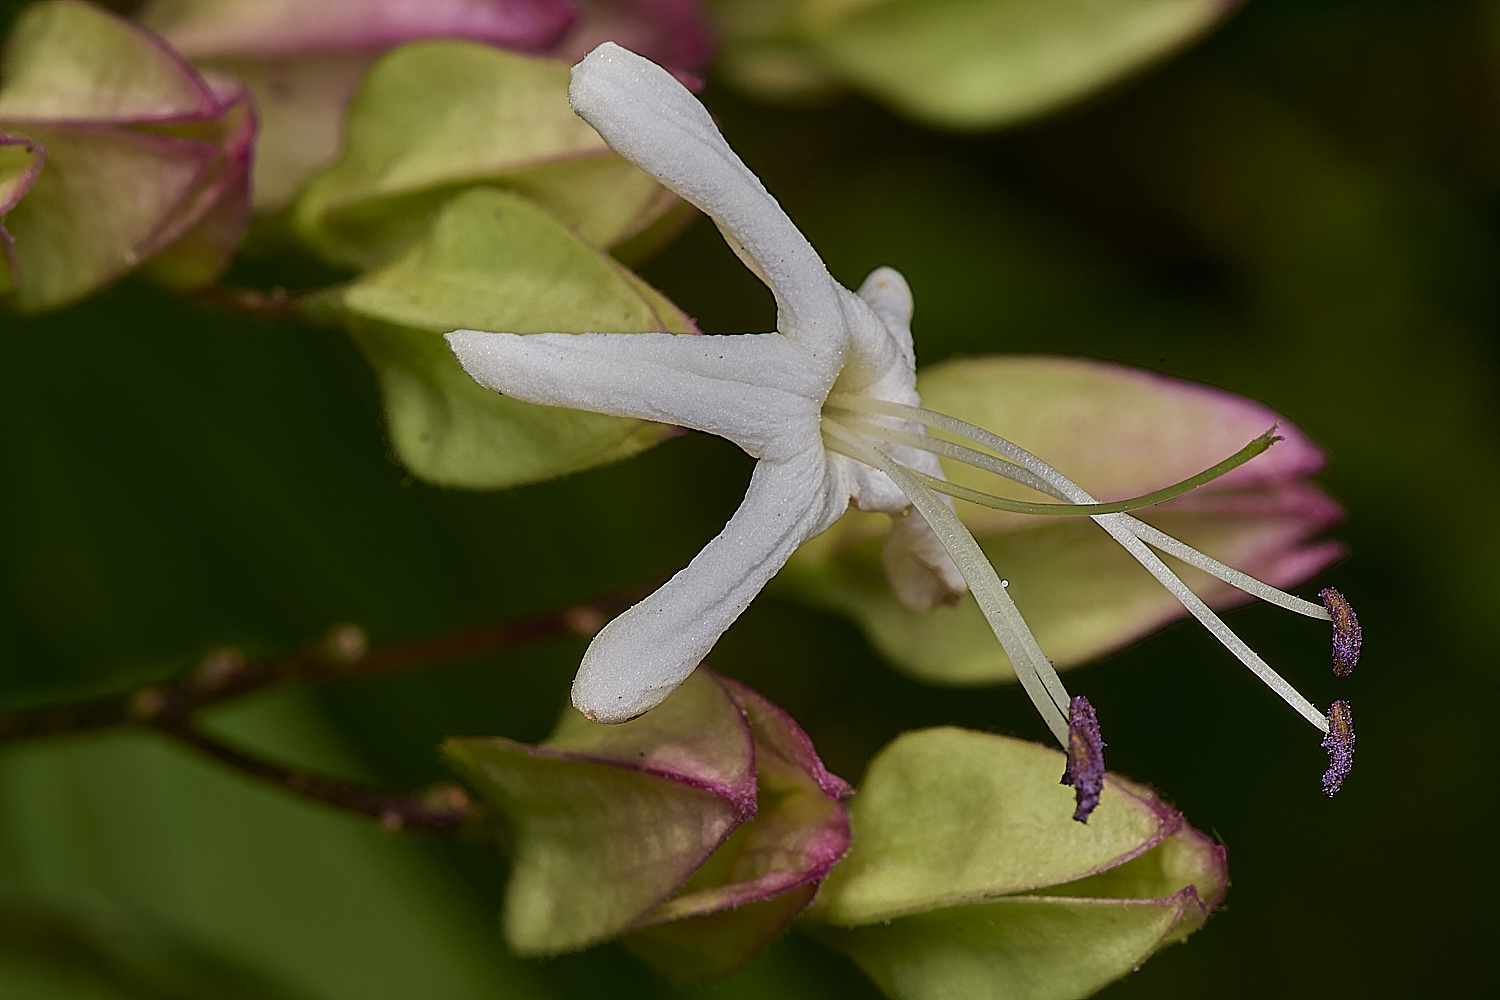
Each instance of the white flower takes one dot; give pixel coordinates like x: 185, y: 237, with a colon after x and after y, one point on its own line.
x: 764, y: 392
x: 827, y: 404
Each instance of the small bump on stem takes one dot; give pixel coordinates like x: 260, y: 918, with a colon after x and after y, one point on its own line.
x: 1347, y: 635
x: 1085, y: 770
x: 345, y: 645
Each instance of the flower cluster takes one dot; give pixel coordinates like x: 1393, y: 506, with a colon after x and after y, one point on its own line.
x: 477, y: 199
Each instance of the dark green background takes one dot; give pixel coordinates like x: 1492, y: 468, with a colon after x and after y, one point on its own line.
x: 1305, y: 208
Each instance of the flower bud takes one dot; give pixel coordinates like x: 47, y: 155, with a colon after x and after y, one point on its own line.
x: 968, y: 876
x: 698, y: 830
x: 303, y: 60
x: 118, y: 155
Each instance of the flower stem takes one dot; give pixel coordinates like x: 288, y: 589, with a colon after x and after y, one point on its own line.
x: 444, y: 809
x: 341, y: 654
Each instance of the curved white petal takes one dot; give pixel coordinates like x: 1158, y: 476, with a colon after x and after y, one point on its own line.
x: 654, y: 122
x: 755, y: 389
x: 641, y: 656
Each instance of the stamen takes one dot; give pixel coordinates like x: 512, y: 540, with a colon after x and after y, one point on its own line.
x: 979, y: 460
x: 1152, y: 536
x: 1347, y: 634
x: 1085, y: 769
x: 948, y: 449
x: 1159, y: 539
x: 1121, y: 528
x: 1209, y: 620
x: 1033, y: 669
x: 1340, y: 746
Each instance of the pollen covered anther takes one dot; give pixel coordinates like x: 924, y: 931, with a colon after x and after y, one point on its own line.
x: 1347, y: 635
x: 1085, y: 770
x: 1340, y: 746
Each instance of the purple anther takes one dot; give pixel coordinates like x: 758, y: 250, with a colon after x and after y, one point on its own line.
x: 1340, y: 746
x: 1346, y: 632
x: 1085, y: 770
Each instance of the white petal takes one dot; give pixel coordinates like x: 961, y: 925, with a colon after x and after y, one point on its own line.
x: 641, y: 656
x: 757, y: 390
x: 886, y: 291
x: 654, y: 122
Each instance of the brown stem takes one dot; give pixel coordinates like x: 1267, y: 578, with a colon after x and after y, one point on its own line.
x: 342, y: 654
x: 444, y: 809
x: 276, y: 304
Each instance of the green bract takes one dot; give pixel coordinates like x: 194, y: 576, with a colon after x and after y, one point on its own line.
x: 700, y: 828
x: 495, y: 260
x: 1119, y: 432
x: 956, y: 63
x: 435, y: 117
x: 968, y: 877
x: 129, y: 158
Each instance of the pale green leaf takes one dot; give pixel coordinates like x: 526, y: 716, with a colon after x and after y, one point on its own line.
x: 495, y: 261
x: 946, y: 817
x: 959, y: 63
x: 434, y: 117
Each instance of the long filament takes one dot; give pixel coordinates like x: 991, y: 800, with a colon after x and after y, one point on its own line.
x: 969, y: 456
x: 1031, y: 665
x: 1152, y: 536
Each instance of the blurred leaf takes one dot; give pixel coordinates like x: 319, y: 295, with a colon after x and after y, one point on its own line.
x: 74, y: 231
x: 51, y: 953
x: 607, y: 821
x: 300, y: 101
x: 434, y: 117
x: 969, y: 877
x: 140, y: 152
x: 1118, y: 432
x: 200, y: 238
x: 330, y: 904
x: 495, y: 261
x: 956, y: 63
x: 71, y: 61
